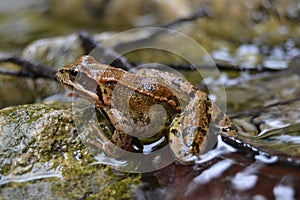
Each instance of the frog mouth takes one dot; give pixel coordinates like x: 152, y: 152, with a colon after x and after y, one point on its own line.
x: 88, y: 89
x: 84, y: 92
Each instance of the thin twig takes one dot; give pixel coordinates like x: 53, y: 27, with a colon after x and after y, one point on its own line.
x: 253, y: 151
x: 223, y: 67
x: 27, y: 68
x: 199, y: 13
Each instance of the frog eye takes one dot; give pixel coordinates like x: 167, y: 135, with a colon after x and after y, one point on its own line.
x: 74, y: 72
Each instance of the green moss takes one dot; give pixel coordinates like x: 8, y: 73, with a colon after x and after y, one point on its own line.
x: 81, y: 179
x: 47, y: 140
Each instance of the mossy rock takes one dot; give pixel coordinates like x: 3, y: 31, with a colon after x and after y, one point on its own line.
x: 42, y: 156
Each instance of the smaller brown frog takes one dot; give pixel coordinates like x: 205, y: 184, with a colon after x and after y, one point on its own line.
x: 147, y: 105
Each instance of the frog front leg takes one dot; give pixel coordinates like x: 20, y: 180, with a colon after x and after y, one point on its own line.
x: 116, y: 143
x: 121, y: 141
x: 107, y: 145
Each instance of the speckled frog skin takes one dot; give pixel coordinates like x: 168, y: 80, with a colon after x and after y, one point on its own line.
x: 147, y: 105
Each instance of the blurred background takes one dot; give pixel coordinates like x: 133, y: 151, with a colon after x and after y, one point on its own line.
x: 248, y: 32
x: 256, y: 34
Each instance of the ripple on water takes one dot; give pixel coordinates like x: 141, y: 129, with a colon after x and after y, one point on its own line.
x: 39, y: 171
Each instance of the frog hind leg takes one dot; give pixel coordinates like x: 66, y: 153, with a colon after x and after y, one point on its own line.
x: 190, y: 139
x: 180, y: 149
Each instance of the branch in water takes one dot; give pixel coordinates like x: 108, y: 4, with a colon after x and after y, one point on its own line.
x: 28, y: 68
x: 199, y: 13
x: 252, y: 151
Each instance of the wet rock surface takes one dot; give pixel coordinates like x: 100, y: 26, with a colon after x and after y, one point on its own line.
x: 48, y: 160
x: 43, y: 156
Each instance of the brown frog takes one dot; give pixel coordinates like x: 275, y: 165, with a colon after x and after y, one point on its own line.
x: 146, y: 106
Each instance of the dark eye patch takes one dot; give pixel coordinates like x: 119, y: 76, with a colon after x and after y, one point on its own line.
x: 74, y: 72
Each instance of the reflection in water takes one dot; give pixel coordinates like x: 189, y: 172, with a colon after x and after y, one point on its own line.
x: 234, y: 174
x: 214, y: 172
x: 247, y: 178
x: 284, y: 192
x: 237, y: 170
